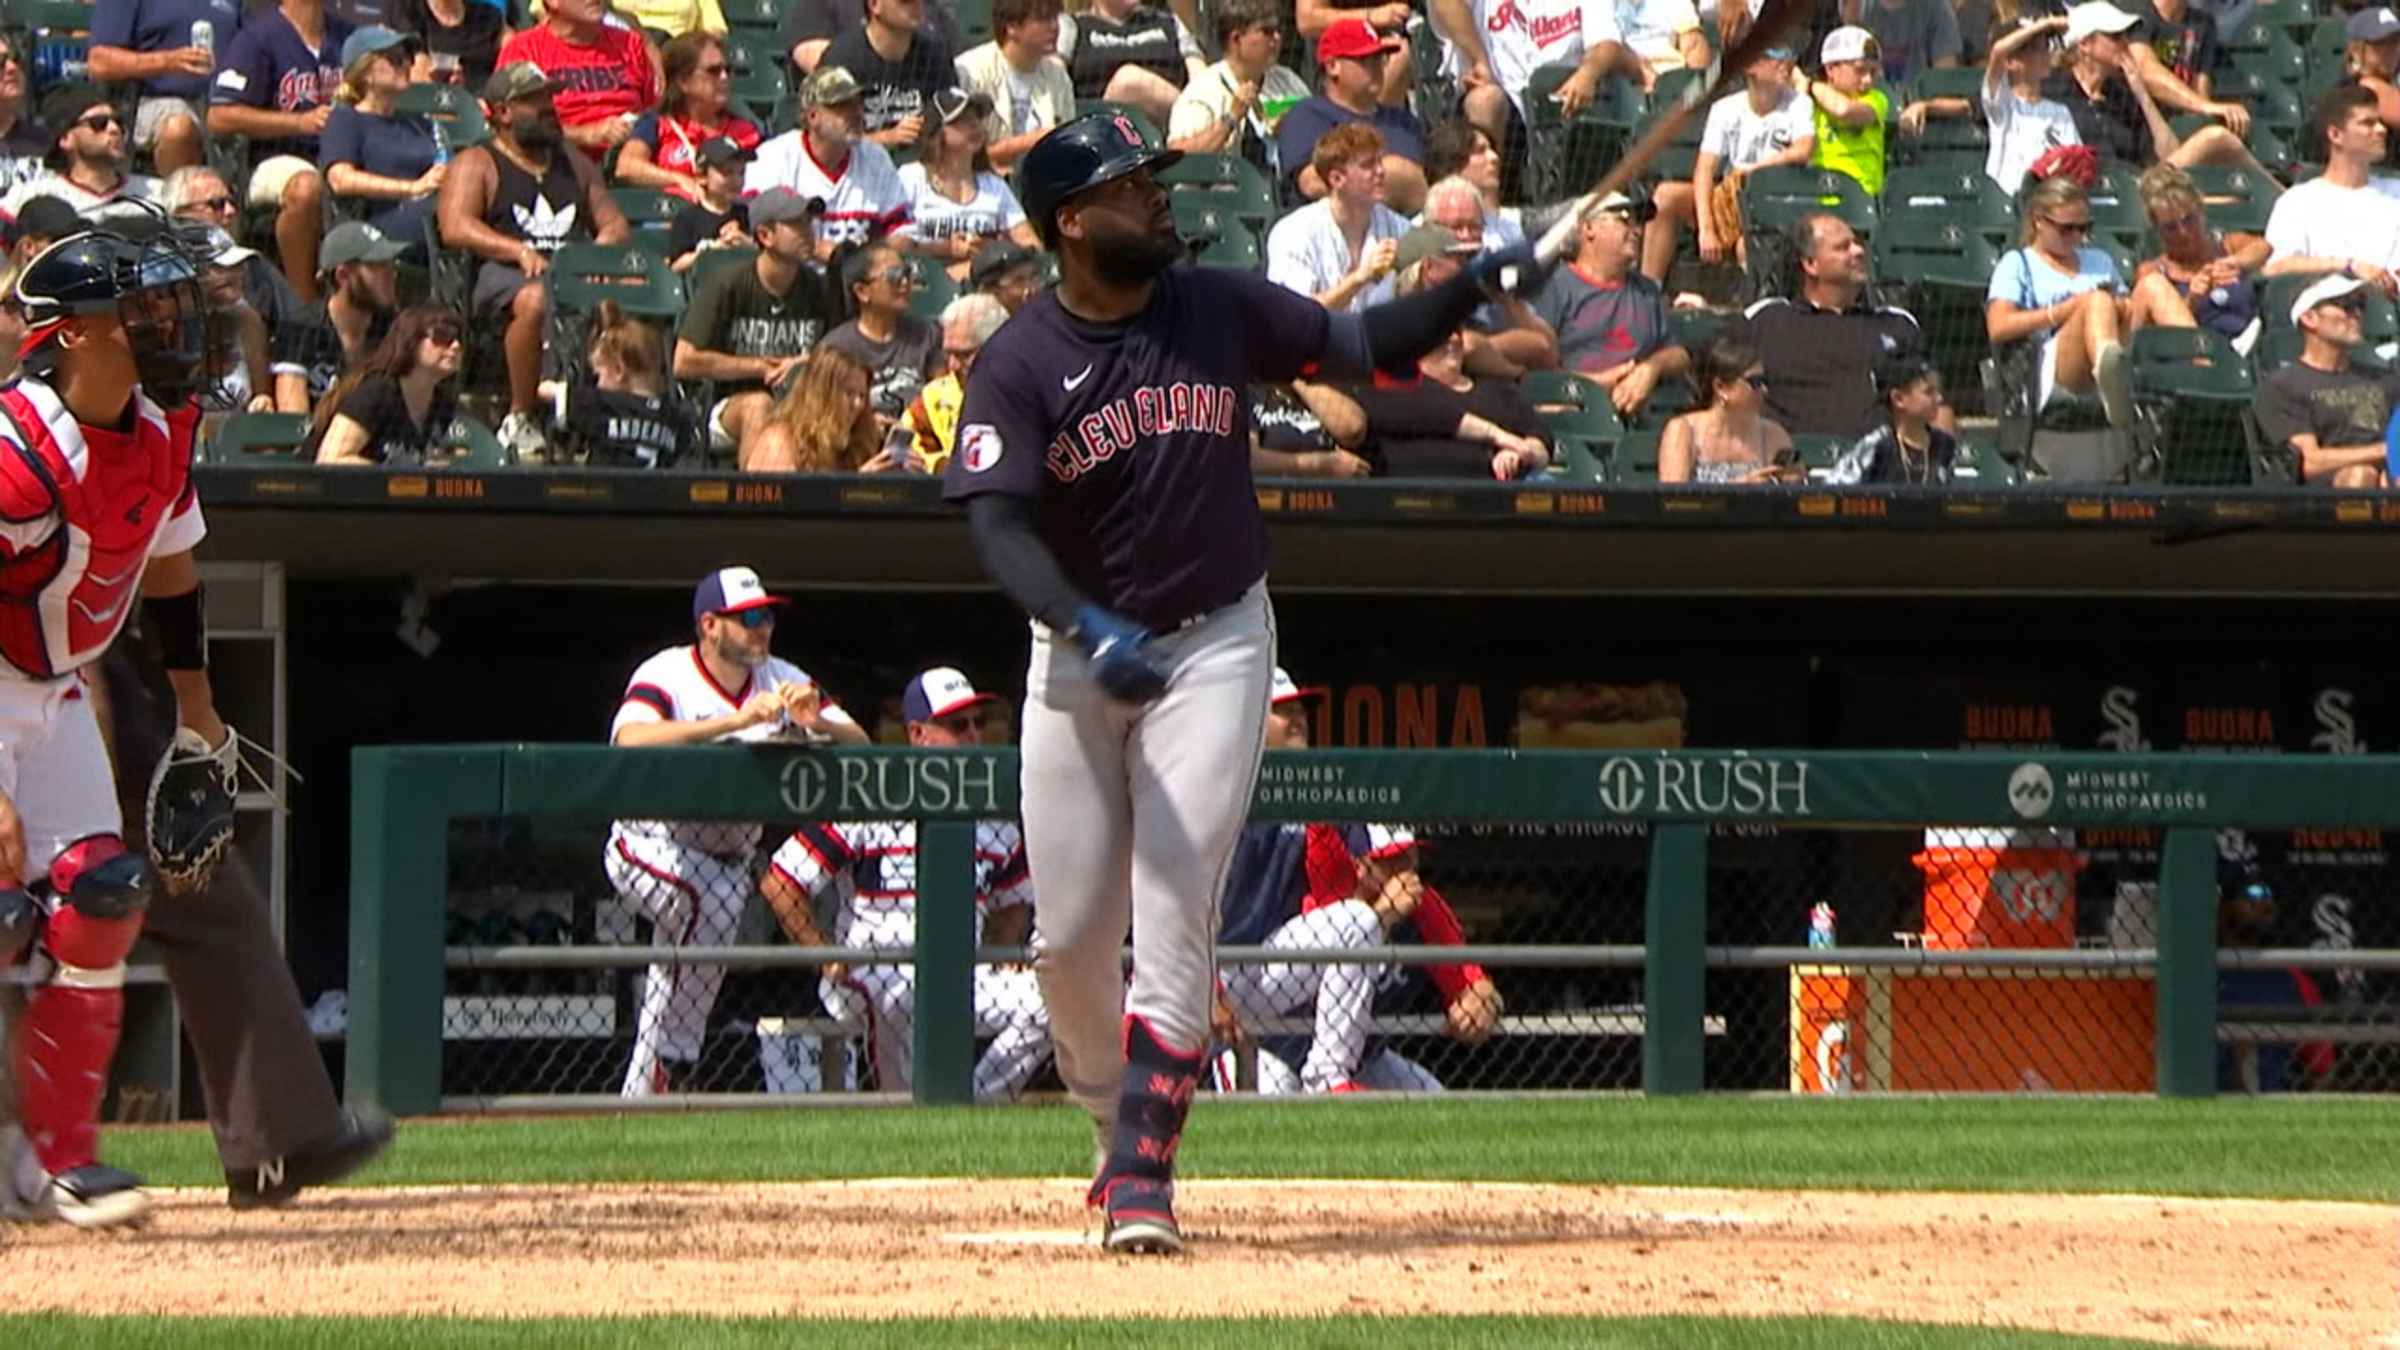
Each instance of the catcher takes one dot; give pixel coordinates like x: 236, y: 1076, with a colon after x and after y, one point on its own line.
x: 97, y: 509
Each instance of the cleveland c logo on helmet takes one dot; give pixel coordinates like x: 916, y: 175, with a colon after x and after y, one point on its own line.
x: 1125, y: 130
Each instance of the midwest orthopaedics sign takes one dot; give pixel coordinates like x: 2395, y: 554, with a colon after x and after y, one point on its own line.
x: 820, y: 788
x: 1706, y: 786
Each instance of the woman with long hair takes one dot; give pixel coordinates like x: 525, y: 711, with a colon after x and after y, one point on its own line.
x: 956, y: 203
x: 901, y: 349
x: 823, y: 423
x: 372, y: 155
x: 395, y: 408
x: 1728, y: 438
x: 2202, y: 277
x: 2060, y: 291
x: 696, y: 107
x: 621, y: 412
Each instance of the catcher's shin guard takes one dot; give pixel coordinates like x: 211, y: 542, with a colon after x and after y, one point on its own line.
x: 1156, y: 1096
x: 72, y: 1021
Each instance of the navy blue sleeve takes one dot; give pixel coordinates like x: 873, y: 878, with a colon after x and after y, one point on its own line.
x: 112, y: 23
x: 343, y: 140
x: 1283, y: 333
x: 1003, y: 430
x: 245, y: 72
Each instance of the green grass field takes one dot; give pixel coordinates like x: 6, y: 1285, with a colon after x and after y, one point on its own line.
x: 2270, y: 1148
x: 2347, y: 1150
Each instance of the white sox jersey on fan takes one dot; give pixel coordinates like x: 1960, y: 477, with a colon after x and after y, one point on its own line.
x: 871, y: 867
x: 691, y: 877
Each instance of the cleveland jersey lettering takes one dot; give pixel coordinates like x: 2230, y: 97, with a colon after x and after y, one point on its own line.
x: 82, y: 512
x: 1133, y: 438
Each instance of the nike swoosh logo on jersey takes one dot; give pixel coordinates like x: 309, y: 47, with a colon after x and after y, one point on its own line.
x: 1072, y: 382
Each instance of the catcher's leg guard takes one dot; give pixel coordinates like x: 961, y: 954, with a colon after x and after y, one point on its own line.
x: 1136, y: 1184
x: 71, y: 1022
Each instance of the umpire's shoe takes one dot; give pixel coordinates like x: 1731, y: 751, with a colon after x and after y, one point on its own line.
x: 95, y: 1196
x: 1141, y: 1218
x: 362, y: 1138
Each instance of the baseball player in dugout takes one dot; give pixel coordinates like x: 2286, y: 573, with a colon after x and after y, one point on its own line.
x: 691, y: 878
x: 870, y: 869
x: 1104, y: 461
x: 97, y: 510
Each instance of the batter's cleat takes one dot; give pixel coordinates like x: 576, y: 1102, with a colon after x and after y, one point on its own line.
x: 95, y: 1196
x: 362, y: 1138
x: 1141, y: 1219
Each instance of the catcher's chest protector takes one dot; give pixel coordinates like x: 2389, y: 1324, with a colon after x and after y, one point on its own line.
x: 67, y: 589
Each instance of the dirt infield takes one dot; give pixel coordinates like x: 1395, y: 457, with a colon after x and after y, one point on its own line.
x: 2221, y: 1272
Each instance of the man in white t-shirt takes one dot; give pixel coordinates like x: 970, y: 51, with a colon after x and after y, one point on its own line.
x: 86, y: 160
x: 1340, y: 249
x: 1767, y: 125
x: 1501, y: 42
x: 1232, y: 108
x: 828, y: 157
x: 2341, y: 221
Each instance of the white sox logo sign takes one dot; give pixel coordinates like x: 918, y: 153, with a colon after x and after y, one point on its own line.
x: 815, y: 787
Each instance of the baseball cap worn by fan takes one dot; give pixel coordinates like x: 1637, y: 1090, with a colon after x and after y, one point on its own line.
x: 223, y: 252
x: 48, y: 217
x: 1429, y: 241
x: 1285, y: 690
x: 2325, y: 291
x: 731, y: 590
x: 2372, y: 25
x: 1848, y: 43
x: 829, y: 86
x: 937, y: 694
x: 1352, y: 37
x: 2095, y: 16
x: 781, y: 204
x: 517, y: 79
x: 368, y: 41
x: 1642, y: 211
x: 719, y: 150
x: 996, y: 260
x: 356, y: 242
x: 949, y: 105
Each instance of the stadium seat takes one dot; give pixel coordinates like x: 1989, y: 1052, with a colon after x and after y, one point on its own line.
x: 1218, y: 237
x: 2192, y: 388
x: 1676, y: 161
x: 1816, y: 453
x: 651, y: 212
x: 1635, y: 459
x: 1565, y: 157
x: 2271, y: 101
x: 766, y: 91
x: 1669, y: 89
x: 1228, y: 182
x: 712, y: 259
x: 1773, y: 198
x: 475, y: 444
x: 974, y: 22
x: 2265, y: 50
x: 754, y: 16
x: 1948, y: 142
x: 582, y: 275
x: 2117, y: 214
x: 1949, y: 196
x: 1940, y: 270
x: 2237, y: 198
x: 251, y: 437
x: 457, y: 117
x: 1979, y: 463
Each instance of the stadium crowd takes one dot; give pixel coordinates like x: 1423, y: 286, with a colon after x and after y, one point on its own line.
x: 1907, y: 247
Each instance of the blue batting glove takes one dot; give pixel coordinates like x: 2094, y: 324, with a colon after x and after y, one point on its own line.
x: 1510, y: 271
x: 1118, y: 649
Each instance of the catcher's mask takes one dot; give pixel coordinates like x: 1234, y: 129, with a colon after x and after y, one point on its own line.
x: 148, y: 277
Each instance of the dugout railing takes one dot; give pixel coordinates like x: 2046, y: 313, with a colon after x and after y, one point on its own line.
x: 1679, y: 894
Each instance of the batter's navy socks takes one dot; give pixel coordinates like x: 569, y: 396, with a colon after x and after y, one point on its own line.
x: 1136, y: 1185
x: 361, y: 1138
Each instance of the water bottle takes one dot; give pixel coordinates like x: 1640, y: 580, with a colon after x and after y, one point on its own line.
x: 1820, y: 925
x: 204, y: 36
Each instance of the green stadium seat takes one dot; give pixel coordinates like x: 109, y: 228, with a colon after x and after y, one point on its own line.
x: 1635, y: 459
x: 1219, y: 238
x: 2194, y: 390
x: 1574, y: 459
x: 1949, y: 196
x: 651, y: 212
x: 2270, y: 101
x: 2237, y: 199
x: 974, y: 22
x: 754, y: 16
x: 934, y: 289
x: 2268, y: 51
x: 1227, y: 182
x: 582, y: 275
x: 1940, y: 270
x: 1947, y: 82
x: 252, y: 437
x: 475, y: 446
x: 1980, y: 464
x: 457, y: 117
x: 1817, y: 452
x: 1774, y: 198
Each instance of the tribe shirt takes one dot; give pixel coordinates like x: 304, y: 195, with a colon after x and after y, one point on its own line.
x: 269, y: 66
x: 875, y: 863
x: 674, y: 686
x: 77, y: 532
x: 862, y: 194
x: 1133, y: 438
x: 736, y: 314
x: 611, y: 77
x: 1522, y: 35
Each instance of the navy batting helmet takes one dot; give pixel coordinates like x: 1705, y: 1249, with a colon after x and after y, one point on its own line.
x: 1096, y: 148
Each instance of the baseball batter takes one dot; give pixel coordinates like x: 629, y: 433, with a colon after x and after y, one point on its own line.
x: 692, y: 877
x: 97, y: 509
x: 872, y: 869
x: 1104, y: 461
x: 1323, y: 885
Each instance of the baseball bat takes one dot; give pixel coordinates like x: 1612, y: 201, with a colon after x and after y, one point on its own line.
x: 1773, y: 21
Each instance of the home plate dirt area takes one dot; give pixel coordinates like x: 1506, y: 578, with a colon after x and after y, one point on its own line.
x: 2226, y: 1272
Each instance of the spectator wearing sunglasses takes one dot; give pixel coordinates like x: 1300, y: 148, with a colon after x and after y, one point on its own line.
x: 1729, y: 438
x: 198, y: 193
x: 2060, y: 291
x: 900, y: 351
x: 22, y: 143
x: 396, y: 408
x: 85, y: 163
x: 2326, y: 415
x: 149, y: 45
x: 664, y: 150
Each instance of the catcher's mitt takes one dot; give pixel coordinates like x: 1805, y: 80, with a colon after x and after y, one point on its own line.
x: 189, y: 813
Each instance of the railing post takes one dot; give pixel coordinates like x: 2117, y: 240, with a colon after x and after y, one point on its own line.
x: 2187, y: 964
x: 944, y: 1034
x: 401, y: 804
x: 1675, y: 961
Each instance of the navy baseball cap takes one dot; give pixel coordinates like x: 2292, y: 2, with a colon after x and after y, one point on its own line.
x: 730, y: 590
x: 938, y: 693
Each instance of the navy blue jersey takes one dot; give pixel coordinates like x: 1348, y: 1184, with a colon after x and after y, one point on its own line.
x: 1265, y: 883
x: 1134, y: 438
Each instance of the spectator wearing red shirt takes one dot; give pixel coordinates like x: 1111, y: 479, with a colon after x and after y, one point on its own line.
x: 604, y: 74
x: 699, y: 82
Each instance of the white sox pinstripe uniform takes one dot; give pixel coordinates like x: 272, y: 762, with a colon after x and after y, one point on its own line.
x: 872, y: 869
x: 692, y: 878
